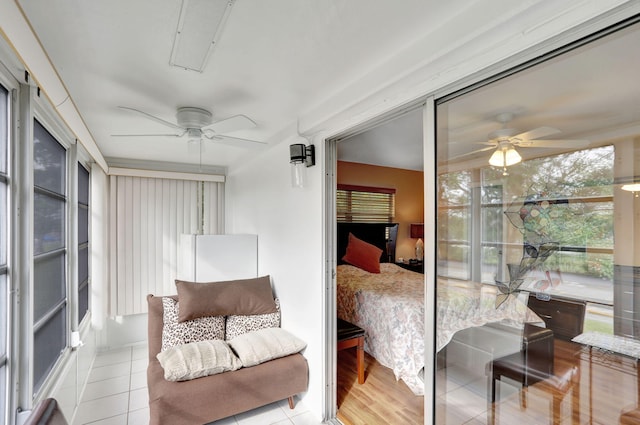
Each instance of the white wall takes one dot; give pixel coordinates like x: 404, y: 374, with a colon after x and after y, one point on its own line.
x: 260, y: 200
x: 289, y: 222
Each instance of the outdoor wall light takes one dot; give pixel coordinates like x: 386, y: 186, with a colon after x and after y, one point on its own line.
x: 302, y: 156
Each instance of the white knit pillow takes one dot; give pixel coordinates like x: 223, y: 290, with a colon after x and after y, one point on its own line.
x: 197, y: 359
x: 177, y: 333
x: 265, y: 344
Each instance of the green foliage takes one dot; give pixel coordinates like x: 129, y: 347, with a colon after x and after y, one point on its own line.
x: 583, y: 219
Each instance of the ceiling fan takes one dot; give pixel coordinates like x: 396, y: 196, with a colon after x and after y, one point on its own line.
x: 505, y: 140
x: 197, y: 124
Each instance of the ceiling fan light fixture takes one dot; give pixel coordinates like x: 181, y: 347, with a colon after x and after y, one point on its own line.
x: 505, y: 156
x: 632, y: 187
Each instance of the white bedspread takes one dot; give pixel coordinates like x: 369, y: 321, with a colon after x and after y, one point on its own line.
x: 390, y: 307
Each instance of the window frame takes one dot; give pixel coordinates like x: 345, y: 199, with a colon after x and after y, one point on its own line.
x: 83, y: 244
x: 5, y: 269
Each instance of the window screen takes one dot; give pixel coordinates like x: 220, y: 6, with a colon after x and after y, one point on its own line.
x: 50, y: 280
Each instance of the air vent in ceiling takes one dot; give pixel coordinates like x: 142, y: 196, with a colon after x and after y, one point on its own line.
x: 199, y: 28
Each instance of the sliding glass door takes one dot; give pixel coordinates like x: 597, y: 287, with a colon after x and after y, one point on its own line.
x: 537, y: 218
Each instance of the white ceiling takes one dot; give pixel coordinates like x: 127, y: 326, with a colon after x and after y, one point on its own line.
x: 274, y: 60
x: 279, y: 60
x: 590, y: 94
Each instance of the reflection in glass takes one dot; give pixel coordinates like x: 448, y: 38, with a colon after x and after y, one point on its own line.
x: 48, y: 224
x: 553, y: 232
x: 49, y: 161
x: 49, y: 341
x: 48, y: 284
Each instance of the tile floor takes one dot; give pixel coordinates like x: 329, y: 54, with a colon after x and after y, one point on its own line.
x: 116, y: 394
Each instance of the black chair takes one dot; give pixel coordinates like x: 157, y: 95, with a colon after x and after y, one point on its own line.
x: 533, y: 363
x: 536, y: 363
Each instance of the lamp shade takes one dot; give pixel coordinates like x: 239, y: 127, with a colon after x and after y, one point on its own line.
x: 631, y: 187
x: 505, y: 156
x: 417, y: 230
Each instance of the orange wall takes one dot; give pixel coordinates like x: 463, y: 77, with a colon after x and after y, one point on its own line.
x: 409, y: 196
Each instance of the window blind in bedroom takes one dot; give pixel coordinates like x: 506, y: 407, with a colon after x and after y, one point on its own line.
x: 363, y: 204
x: 148, y: 215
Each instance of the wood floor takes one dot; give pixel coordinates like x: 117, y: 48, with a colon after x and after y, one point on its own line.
x: 590, y: 386
x: 380, y: 400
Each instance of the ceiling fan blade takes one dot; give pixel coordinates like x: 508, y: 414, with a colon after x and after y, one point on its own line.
x: 151, y: 117
x: 558, y: 143
x: 536, y: 133
x: 471, y: 153
x: 229, y: 125
x: 182, y: 133
x: 235, y: 141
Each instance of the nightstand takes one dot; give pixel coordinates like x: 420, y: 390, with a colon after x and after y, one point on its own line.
x: 414, y: 267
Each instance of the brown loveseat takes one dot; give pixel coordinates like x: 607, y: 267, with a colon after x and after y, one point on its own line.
x: 210, y: 398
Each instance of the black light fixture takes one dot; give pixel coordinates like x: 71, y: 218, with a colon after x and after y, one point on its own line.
x: 302, y: 156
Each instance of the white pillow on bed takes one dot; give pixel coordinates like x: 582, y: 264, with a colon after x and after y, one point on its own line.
x: 197, y: 359
x: 265, y: 344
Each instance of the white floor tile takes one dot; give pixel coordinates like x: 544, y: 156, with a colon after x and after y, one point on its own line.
x: 139, y: 365
x: 306, y: 418
x: 114, y: 420
x: 138, y: 380
x: 138, y: 399
x: 139, y: 417
x: 299, y: 407
x: 110, y: 371
x: 102, y: 408
x: 112, y: 357
x: 140, y: 352
x: 282, y: 422
x: 105, y: 387
x: 266, y: 415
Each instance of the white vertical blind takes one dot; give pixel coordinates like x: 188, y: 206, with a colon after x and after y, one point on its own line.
x: 148, y: 217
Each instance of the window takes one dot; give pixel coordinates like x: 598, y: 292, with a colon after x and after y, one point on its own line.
x: 50, y: 277
x: 577, y: 183
x: 454, y: 219
x: 83, y: 242
x: 361, y: 204
x: 4, y: 242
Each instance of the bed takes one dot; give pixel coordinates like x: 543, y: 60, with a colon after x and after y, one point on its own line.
x: 389, y: 305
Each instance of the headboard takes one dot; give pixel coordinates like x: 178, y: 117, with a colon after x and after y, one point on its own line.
x: 373, y: 233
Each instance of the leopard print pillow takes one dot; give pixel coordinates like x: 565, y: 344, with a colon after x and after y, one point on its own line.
x: 178, y: 333
x: 238, y: 325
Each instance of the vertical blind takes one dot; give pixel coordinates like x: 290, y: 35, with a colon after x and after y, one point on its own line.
x: 148, y: 215
x: 362, y: 204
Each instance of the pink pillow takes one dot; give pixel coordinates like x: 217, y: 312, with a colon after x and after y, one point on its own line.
x: 363, y: 255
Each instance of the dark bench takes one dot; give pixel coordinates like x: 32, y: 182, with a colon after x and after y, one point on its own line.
x: 350, y: 335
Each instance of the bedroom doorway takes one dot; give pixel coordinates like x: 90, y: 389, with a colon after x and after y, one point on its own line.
x: 379, y: 202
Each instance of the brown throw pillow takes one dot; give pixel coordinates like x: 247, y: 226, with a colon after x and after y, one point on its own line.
x: 234, y: 297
